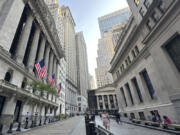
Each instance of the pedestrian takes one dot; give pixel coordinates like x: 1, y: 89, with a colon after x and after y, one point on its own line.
x: 27, y: 116
x: 118, y: 118
x: 166, y: 120
x: 154, y: 118
x: 106, y: 120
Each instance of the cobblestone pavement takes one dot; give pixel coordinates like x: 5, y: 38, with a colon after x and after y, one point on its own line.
x: 72, y: 126
x: 128, y: 129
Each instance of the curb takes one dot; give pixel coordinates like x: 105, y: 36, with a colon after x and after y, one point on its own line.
x: 155, y: 128
x: 38, y: 127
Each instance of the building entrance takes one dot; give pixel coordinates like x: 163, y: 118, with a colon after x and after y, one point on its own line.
x: 2, y: 100
x: 17, y: 110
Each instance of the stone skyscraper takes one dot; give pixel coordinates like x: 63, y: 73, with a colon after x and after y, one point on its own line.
x: 106, y: 44
x: 82, y: 65
x: 70, y: 53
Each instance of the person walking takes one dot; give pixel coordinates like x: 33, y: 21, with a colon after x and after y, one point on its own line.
x: 106, y: 120
x: 118, y: 118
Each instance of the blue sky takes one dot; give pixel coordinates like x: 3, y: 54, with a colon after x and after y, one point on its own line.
x: 85, y: 14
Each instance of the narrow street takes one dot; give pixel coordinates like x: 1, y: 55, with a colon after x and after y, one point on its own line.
x: 128, y: 129
x: 72, y: 126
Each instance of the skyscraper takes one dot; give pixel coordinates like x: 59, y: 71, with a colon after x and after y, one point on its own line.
x: 70, y: 53
x: 106, y: 22
x: 82, y: 65
x: 110, y: 30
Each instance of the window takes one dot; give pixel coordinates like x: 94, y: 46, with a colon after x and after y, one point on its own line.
x: 133, y: 54
x: 148, y: 24
x: 137, y: 50
x: 132, y: 115
x: 173, y: 49
x: 8, y: 76
x: 141, y: 115
x: 129, y: 60
x: 129, y: 91
x: 122, y: 92
x: 141, y: 11
x: 23, y: 85
x: 134, y: 81
x: 146, y: 3
x: 161, y: 6
x: 148, y: 83
x: 117, y: 73
x: 136, y: 2
x: 126, y: 62
x: 155, y: 16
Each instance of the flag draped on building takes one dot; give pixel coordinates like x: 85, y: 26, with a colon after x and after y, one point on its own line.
x: 41, y: 69
x: 58, y: 88
x: 52, y: 80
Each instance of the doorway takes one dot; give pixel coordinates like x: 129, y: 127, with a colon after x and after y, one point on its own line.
x: 2, y: 100
x: 17, y: 110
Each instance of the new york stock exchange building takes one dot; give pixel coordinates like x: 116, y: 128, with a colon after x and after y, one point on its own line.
x: 27, y: 35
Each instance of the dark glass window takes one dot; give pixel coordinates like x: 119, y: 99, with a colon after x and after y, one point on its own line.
x: 132, y: 115
x: 141, y: 115
x: 146, y: 3
x: 133, y: 54
x: 155, y: 16
x: 122, y: 91
x: 136, y: 49
x: 8, y: 76
x: 137, y: 89
x: 129, y: 60
x: 173, y: 49
x: 148, y: 83
x: 129, y: 91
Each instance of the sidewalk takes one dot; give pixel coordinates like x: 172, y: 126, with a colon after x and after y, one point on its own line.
x: 71, y: 126
x: 129, y: 129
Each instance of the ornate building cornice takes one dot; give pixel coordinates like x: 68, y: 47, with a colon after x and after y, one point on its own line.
x: 44, y: 14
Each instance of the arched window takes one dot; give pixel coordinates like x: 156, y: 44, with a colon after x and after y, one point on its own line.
x: 23, y: 85
x: 8, y: 75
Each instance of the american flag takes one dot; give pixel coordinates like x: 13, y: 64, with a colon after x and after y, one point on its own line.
x: 41, y: 69
x: 58, y: 87
x: 52, y: 80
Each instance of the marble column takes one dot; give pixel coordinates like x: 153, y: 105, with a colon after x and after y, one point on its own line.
x: 104, y: 107
x: 114, y: 100
x: 54, y: 67
x: 41, y: 50
x: 46, y: 57
x: 50, y: 68
x: 128, y: 100
x: 109, y: 104
x: 23, y: 41
x: 33, y: 50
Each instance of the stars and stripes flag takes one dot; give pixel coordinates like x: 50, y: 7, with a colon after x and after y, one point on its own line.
x: 41, y: 69
x: 58, y: 87
x: 52, y: 80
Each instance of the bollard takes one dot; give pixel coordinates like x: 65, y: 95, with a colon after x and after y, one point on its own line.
x: 45, y: 121
x: 10, y: 128
x: 1, y: 128
x: 40, y: 122
x: 32, y: 124
x: 19, y: 127
x: 26, y: 124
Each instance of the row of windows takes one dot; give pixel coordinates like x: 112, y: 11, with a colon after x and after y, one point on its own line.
x: 145, y: 80
x: 128, y: 60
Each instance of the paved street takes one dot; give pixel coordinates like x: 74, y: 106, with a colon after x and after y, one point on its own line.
x: 72, y: 126
x: 128, y: 129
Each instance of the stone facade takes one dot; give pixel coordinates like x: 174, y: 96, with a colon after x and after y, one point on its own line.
x: 82, y: 65
x: 145, y: 66
x: 27, y: 35
x: 70, y: 52
x: 55, y: 10
x: 103, y: 99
